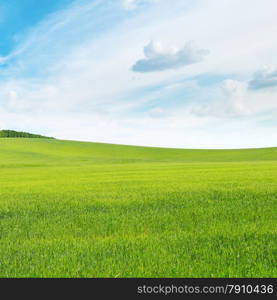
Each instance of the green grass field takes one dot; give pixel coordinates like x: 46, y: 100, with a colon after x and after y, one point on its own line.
x: 73, y: 209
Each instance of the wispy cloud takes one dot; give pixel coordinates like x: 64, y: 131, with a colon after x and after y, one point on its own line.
x: 133, y: 4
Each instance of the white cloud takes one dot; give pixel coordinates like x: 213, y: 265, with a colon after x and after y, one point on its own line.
x: 235, y: 101
x: 158, y: 58
x: 266, y: 78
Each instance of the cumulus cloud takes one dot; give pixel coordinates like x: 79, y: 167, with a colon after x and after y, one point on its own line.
x: 230, y: 101
x: 157, y: 58
x: 263, y: 79
x: 233, y: 100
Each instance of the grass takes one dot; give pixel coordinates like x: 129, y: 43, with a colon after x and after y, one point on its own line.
x: 73, y: 209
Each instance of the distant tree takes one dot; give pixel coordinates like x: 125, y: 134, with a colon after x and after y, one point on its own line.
x: 20, y: 134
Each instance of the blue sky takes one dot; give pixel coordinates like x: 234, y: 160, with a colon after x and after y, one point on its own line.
x: 182, y: 73
x: 17, y: 17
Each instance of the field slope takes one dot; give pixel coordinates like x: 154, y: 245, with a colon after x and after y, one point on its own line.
x: 73, y: 209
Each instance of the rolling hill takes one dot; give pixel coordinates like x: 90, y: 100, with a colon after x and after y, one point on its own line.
x: 76, y: 209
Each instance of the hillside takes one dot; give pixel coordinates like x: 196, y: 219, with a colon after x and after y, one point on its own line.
x: 75, y: 209
x: 70, y: 152
x: 20, y: 134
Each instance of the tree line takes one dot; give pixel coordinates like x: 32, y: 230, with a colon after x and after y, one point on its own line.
x: 20, y: 134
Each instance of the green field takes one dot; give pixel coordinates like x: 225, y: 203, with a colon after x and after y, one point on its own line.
x: 74, y: 209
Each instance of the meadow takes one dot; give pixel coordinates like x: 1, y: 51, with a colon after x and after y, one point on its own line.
x: 76, y: 209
